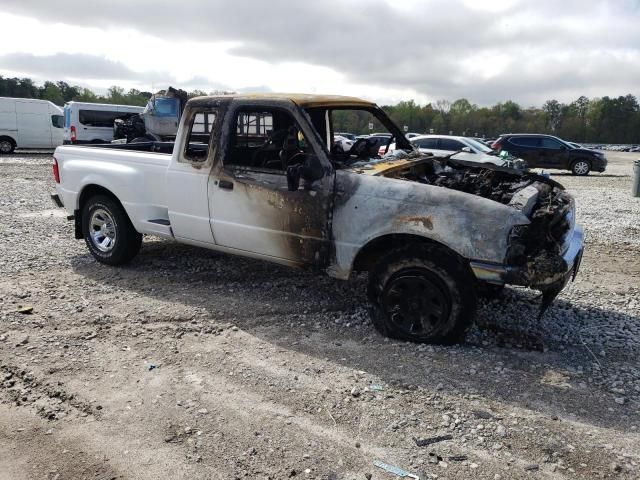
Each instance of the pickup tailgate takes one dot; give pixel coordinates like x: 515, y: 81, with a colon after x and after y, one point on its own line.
x: 136, y: 179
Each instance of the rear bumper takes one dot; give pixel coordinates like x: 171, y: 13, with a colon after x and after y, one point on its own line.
x: 565, y: 268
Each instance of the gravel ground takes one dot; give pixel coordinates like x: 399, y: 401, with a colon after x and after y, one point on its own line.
x: 192, y: 364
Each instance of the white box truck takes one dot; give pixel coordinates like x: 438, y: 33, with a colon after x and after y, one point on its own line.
x: 29, y: 123
x: 86, y: 123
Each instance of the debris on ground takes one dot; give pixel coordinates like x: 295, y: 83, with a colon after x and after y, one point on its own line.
x: 395, y: 470
x: 424, y: 442
x: 457, y: 458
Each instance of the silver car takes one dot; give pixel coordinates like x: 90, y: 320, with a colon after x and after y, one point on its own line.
x: 470, y: 149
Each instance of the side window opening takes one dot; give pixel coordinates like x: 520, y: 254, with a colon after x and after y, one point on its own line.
x: 373, y: 135
x: 197, y: 145
x: 551, y: 143
x: 98, y: 118
x: 450, y: 144
x: 265, y: 139
x: 431, y: 143
x: 525, y: 141
x: 57, y: 121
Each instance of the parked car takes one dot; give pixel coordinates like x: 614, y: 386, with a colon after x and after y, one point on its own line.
x: 342, y: 142
x: 471, y: 149
x: 429, y: 232
x: 93, y: 122
x: 29, y: 123
x: 439, y: 145
x: 410, y: 135
x: 348, y: 136
x: 547, y: 151
x: 380, y: 142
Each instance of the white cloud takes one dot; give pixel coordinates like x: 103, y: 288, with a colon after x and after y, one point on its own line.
x: 486, y: 51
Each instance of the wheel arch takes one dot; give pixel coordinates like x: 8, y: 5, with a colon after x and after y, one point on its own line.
x: 372, y: 250
x: 88, y: 191
x: 579, y: 159
x: 11, y: 139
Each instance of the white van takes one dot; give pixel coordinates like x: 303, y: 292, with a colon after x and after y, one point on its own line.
x: 92, y: 122
x: 29, y: 123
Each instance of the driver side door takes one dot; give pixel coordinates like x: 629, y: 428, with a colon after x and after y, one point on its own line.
x: 252, y: 209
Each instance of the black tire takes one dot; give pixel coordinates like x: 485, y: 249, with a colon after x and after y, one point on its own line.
x: 126, y: 240
x: 7, y: 145
x: 443, y: 304
x: 581, y: 167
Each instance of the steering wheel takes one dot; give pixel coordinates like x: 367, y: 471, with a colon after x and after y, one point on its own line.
x: 362, y: 147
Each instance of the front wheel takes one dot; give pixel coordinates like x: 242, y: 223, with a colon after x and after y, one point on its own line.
x: 422, y: 294
x: 108, y: 232
x: 7, y: 145
x: 580, y: 167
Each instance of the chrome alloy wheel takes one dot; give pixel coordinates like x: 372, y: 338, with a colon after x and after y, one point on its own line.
x: 102, y: 230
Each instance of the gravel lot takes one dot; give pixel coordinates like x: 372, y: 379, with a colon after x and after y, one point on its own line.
x: 192, y: 364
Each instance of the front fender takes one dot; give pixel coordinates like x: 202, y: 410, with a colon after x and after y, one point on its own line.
x: 369, y: 207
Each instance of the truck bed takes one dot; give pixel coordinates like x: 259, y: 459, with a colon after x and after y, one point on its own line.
x: 134, y: 173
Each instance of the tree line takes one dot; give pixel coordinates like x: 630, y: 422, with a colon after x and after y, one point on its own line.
x: 595, y: 120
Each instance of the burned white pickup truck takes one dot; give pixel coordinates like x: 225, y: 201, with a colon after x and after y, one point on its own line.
x: 259, y: 176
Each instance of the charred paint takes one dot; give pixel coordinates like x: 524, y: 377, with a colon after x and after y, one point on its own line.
x: 293, y: 225
x: 462, y: 206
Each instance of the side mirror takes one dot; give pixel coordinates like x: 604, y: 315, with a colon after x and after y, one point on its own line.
x: 309, y: 170
x: 466, y: 150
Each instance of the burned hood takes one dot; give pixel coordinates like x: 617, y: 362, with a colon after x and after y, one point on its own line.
x: 389, y: 166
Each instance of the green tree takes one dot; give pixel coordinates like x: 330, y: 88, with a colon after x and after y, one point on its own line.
x: 50, y: 91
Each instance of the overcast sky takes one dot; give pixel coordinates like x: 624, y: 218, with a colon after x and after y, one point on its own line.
x: 386, y: 50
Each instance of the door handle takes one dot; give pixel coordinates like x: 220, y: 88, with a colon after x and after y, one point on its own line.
x: 226, y: 184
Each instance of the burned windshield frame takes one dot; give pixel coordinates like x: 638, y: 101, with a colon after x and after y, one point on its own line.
x: 319, y: 113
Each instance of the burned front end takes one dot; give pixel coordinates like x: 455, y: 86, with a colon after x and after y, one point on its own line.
x: 543, y: 254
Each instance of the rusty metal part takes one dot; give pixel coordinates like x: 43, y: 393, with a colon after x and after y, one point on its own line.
x: 301, y: 100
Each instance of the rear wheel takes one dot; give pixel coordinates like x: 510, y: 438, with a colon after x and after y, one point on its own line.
x: 580, y: 167
x: 108, y: 232
x: 7, y: 145
x: 422, y: 294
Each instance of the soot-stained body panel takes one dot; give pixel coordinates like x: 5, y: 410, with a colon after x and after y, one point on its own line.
x: 370, y: 206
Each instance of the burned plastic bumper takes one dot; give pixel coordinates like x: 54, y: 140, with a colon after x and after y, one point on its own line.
x: 549, y: 274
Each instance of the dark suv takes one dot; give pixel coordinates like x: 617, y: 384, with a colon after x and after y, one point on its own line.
x: 547, y: 151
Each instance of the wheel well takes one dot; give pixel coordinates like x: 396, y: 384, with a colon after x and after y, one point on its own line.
x: 366, y: 257
x: 88, y: 192
x: 7, y: 137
